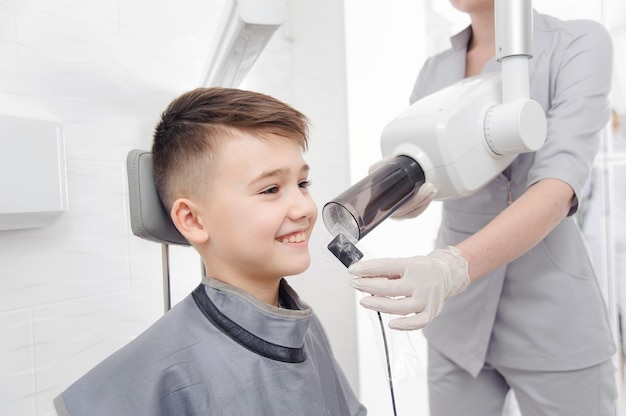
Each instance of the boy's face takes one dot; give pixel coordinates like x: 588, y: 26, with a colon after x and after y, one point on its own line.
x: 259, y: 214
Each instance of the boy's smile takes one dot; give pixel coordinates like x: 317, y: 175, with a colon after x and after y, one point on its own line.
x: 297, y: 237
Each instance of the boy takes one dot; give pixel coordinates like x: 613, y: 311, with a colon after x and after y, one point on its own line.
x: 228, y: 166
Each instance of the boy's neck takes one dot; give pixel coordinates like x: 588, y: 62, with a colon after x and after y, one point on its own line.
x: 265, y: 291
x: 267, y: 295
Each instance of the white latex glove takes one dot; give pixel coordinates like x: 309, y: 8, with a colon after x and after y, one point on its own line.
x: 416, y: 285
x: 417, y: 203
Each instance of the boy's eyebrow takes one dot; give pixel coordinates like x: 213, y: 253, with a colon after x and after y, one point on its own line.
x: 276, y: 172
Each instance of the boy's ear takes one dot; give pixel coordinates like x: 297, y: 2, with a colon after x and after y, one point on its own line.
x: 185, y: 217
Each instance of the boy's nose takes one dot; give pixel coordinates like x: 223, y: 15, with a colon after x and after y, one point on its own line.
x: 303, y: 206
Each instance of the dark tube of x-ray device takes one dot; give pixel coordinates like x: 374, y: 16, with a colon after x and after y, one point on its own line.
x: 363, y: 206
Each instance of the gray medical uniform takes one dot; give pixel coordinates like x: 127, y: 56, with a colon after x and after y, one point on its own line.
x: 220, y: 351
x: 543, y: 311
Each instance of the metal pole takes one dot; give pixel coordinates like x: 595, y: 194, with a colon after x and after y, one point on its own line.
x: 165, y: 258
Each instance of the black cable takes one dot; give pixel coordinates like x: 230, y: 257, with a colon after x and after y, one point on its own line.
x: 348, y: 254
x: 382, y: 329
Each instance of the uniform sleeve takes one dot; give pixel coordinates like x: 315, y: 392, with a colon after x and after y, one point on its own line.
x: 580, y: 83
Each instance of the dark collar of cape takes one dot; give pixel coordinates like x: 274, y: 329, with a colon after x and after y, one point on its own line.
x: 242, y: 336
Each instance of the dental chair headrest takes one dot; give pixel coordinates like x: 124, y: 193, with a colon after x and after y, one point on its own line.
x: 148, y: 218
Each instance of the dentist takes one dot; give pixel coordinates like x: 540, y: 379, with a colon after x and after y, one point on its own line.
x: 509, y: 300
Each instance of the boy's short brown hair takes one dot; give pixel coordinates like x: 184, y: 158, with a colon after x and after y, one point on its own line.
x: 194, y: 124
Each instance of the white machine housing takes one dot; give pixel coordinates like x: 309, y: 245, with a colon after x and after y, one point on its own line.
x: 466, y: 134
x: 462, y: 137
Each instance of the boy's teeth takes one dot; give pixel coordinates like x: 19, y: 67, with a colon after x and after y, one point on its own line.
x: 294, y: 238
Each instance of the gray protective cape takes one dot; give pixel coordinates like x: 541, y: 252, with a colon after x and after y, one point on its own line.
x: 220, y: 351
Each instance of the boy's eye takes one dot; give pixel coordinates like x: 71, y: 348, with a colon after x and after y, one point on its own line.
x: 275, y: 189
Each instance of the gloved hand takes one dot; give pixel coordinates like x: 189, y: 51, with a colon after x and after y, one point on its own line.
x: 417, y: 203
x: 415, y: 285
